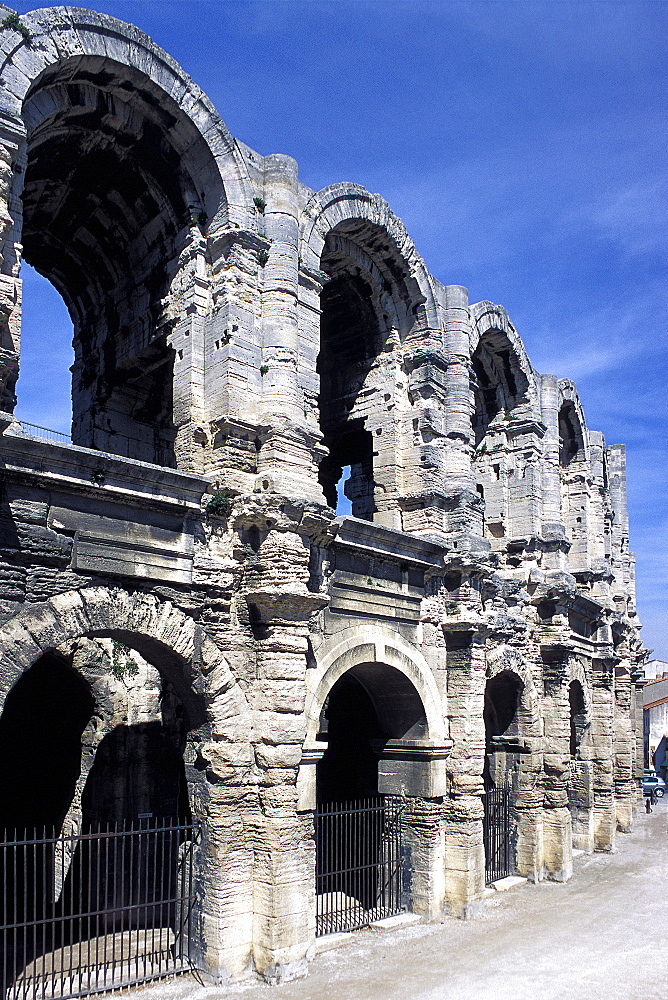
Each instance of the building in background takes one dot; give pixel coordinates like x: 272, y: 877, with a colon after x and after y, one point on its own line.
x: 655, y: 715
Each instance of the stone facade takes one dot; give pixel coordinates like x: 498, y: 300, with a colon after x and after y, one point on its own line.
x: 239, y: 341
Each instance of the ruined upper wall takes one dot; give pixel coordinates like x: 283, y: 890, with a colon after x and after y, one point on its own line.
x: 231, y: 322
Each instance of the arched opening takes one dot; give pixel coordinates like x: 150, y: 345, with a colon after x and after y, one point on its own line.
x: 44, y: 387
x: 366, y: 312
x: 502, y: 716
x: 580, y: 781
x: 41, y: 727
x: 359, y: 823
x: 117, y: 185
x: 577, y: 717
x: 571, y: 445
x: 94, y: 814
x: 369, y: 706
x: 499, y: 387
x: 574, y: 493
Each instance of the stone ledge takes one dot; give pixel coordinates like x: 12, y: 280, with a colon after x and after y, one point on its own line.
x: 330, y: 941
x: 509, y: 882
x: 397, y: 921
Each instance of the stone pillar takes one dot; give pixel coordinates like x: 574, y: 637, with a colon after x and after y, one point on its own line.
x: 551, y: 484
x: 279, y: 606
x: 439, y: 487
x: 624, y: 781
x: 557, y: 837
x: 12, y: 166
x: 463, y: 812
x: 529, y: 811
x: 287, y: 460
x: 284, y: 870
x: 602, y: 738
x: 425, y: 861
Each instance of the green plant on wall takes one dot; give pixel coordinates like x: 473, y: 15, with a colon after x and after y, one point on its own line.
x: 262, y: 257
x: 260, y: 204
x: 14, y: 23
x: 220, y: 504
x: 122, y: 664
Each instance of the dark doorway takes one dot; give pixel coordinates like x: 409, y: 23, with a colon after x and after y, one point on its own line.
x: 577, y: 717
x: 41, y: 726
x: 349, y: 768
x: 501, y: 773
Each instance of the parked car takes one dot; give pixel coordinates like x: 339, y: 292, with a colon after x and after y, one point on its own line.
x: 651, y: 782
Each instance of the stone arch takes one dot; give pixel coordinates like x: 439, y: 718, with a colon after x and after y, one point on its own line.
x: 62, y: 34
x: 576, y: 672
x: 376, y: 298
x: 505, y: 658
x: 122, y: 176
x: 189, y: 659
x: 351, y: 203
x: 365, y: 645
x: 218, y: 756
x: 571, y: 406
x: 510, y: 369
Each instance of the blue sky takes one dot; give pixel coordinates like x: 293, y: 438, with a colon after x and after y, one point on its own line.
x: 522, y: 143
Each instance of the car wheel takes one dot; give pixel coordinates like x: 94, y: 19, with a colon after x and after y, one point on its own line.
x: 658, y: 792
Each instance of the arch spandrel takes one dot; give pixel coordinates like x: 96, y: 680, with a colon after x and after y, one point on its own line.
x: 346, y: 203
x: 156, y: 629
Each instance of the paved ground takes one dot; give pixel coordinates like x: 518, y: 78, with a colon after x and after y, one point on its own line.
x: 602, y: 936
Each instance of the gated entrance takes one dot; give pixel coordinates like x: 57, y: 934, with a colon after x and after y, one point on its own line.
x: 96, y: 911
x: 359, y: 853
x: 496, y: 829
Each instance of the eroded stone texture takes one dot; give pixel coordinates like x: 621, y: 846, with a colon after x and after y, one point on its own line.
x: 240, y: 340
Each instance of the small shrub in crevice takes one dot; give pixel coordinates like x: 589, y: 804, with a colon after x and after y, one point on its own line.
x: 14, y: 23
x: 260, y: 204
x: 122, y: 665
x: 220, y: 505
x: 262, y: 257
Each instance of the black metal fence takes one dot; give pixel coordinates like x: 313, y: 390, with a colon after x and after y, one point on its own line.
x: 497, y: 833
x: 359, y: 850
x: 96, y: 911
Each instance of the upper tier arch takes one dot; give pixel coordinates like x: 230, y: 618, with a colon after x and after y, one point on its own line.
x: 341, y: 203
x: 68, y: 38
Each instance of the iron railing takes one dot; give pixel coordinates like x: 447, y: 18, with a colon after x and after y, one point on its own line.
x: 496, y: 828
x: 359, y: 855
x: 34, y: 430
x: 96, y: 911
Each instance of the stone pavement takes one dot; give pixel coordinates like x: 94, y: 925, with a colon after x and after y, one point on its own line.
x: 602, y: 936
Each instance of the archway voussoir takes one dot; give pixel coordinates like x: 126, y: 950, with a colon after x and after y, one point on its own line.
x: 71, y: 612
x: 19, y: 651
x: 45, y: 626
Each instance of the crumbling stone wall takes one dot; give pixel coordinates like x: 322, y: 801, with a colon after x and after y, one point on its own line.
x: 239, y: 340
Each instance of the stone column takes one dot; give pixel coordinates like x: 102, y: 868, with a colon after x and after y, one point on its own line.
x: 287, y: 460
x: 462, y: 810
x: 602, y: 738
x: 12, y: 167
x: 279, y: 606
x: 284, y: 869
x: 551, y: 484
x: 557, y: 837
x: 439, y: 488
x: 624, y: 782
